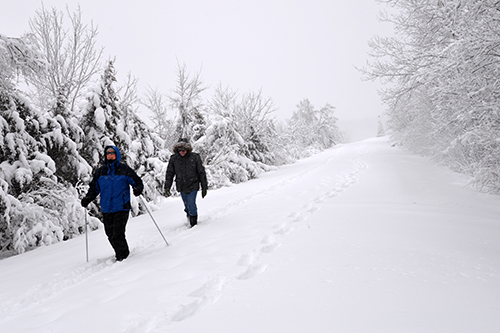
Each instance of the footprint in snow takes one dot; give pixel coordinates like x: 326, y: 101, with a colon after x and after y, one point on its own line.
x: 252, y: 271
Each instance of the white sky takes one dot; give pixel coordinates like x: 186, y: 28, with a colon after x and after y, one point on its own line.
x: 290, y: 49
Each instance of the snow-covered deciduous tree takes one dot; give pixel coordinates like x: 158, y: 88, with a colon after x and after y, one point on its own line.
x: 327, y: 130
x: 187, y: 100
x: 220, y: 145
x: 257, y: 127
x: 72, y: 55
x: 300, y: 125
x: 223, y: 147
x: 442, y: 69
x: 310, y: 131
x: 380, y: 130
x: 18, y: 56
x: 156, y: 103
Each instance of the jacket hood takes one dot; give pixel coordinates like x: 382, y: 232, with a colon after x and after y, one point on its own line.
x: 183, y: 145
x: 118, y: 154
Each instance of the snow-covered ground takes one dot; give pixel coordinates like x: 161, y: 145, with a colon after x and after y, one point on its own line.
x: 363, y: 237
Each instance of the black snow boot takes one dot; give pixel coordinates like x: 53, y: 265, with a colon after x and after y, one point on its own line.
x: 193, y: 220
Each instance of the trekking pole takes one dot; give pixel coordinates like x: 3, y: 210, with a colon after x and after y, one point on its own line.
x: 152, y: 218
x: 86, y: 235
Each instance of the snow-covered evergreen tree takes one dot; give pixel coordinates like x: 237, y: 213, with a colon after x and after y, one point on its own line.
x: 35, y: 208
x: 146, y: 155
x: 63, y: 141
x: 102, y: 119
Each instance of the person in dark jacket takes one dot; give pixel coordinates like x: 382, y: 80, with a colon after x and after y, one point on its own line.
x: 189, y: 174
x: 112, y: 181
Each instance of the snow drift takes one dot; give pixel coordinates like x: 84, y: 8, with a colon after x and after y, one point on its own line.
x: 362, y: 237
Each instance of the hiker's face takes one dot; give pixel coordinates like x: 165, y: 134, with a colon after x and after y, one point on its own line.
x: 111, y: 155
x: 182, y: 152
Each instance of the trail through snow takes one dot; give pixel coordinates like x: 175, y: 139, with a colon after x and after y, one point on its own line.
x: 363, y: 237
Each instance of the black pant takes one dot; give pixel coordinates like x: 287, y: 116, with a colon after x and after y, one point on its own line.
x: 114, y: 226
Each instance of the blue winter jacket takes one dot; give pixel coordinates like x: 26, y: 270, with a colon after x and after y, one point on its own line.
x: 112, y: 181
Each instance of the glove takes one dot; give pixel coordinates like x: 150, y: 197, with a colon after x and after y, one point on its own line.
x: 203, y: 193
x: 167, y: 193
x: 137, y: 191
x: 85, y: 202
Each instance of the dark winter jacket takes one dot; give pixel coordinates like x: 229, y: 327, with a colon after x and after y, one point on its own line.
x: 188, y: 170
x: 112, y: 181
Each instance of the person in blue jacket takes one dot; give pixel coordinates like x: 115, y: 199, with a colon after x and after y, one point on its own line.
x: 112, y: 181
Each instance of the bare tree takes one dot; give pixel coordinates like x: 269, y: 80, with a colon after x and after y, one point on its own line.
x: 71, y: 54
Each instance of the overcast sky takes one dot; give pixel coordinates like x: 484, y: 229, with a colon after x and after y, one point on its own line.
x: 289, y: 49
